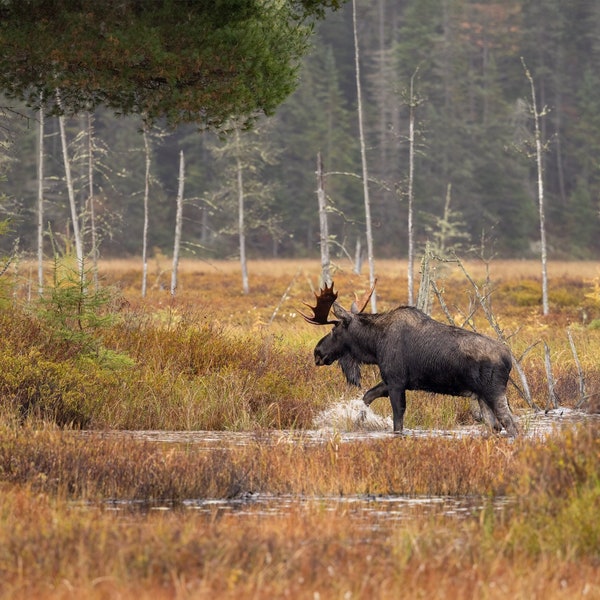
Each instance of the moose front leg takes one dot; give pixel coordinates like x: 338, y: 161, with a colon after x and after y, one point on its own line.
x: 378, y: 391
x: 398, y: 401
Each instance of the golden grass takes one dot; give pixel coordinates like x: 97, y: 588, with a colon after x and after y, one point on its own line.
x: 90, y: 466
x: 212, y: 358
x: 57, y: 539
x: 304, y: 553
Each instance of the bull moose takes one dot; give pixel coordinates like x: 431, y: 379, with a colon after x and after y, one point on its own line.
x: 414, y: 352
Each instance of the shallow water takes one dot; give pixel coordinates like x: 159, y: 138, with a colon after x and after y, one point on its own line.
x: 344, y: 422
x: 352, y: 421
x: 369, y: 513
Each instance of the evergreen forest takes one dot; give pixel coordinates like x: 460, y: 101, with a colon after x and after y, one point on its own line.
x: 457, y: 66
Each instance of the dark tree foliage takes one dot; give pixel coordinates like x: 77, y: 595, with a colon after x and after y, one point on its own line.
x: 473, y: 122
x: 183, y: 60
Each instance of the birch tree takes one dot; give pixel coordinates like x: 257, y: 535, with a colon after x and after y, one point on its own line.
x: 363, y: 155
x: 323, y: 225
x: 147, y: 156
x: 178, y: 223
x: 70, y: 191
x: 537, y: 115
x: 40, y: 203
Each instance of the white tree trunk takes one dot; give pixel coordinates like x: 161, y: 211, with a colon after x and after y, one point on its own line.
x: 147, y: 153
x: 363, y: 154
x: 70, y: 190
x: 357, y: 257
x: 540, y: 190
x: 40, y: 203
x: 411, y: 170
x: 323, y: 226
x: 241, y: 223
x: 178, y: 223
x: 92, y: 208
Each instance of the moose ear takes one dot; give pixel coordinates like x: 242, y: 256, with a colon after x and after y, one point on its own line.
x: 341, y: 313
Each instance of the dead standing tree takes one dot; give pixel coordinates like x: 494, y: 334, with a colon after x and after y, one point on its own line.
x: 363, y: 154
x: 40, y: 201
x: 71, y: 191
x: 147, y: 157
x: 178, y: 223
x: 323, y: 225
x: 413, y: 103
x: 537, y: 115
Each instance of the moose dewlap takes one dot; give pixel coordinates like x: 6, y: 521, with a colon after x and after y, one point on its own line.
x: 415, y: 352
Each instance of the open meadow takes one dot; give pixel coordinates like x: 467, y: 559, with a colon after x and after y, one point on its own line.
x: 176, y: 447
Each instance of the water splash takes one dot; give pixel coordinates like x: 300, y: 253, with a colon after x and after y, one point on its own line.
x: 351, y: 415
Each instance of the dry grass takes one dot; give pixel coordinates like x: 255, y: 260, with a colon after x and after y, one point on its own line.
x: 72, y: 465
x: 302, y: 554
x: 211, y: 358
x: 544, y: 544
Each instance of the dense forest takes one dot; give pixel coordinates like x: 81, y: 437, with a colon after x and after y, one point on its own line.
x: 475, y: 174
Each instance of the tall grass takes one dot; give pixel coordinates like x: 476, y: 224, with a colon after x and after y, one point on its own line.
x: 213, y: 358
x: 58, y: 539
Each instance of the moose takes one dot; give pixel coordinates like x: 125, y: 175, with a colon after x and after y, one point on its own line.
x: 414, y: 352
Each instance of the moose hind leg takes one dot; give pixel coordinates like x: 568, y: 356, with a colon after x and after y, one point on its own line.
x: 502, y: 411
x: 378, y: 391
x: 488, y: 416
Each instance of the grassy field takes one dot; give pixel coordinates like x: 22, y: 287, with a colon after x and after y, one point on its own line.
x: 211, y: 358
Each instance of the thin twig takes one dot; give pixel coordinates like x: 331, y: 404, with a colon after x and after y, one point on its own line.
x: 284, y: 296
x: 552, y: 397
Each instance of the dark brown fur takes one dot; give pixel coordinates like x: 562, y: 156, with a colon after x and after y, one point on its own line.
x: 415, y: 352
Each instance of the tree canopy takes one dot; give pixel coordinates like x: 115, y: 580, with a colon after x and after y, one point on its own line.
x: 183, y: 60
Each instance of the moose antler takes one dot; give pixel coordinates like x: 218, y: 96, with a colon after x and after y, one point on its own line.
x: 325, y: 301
x: 359, y: 305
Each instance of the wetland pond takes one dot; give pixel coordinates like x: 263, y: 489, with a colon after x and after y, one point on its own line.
x: 344, y: 422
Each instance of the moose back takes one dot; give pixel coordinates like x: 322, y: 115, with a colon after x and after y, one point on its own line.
x: 415, y: 352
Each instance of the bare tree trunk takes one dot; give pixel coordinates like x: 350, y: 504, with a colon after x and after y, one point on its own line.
x: 424, y: 294
x: 357, y: 257
x: 241, y: 222
x: 323, y: 226
x: 178, y: 223
x: 540, y: 188
x: 411, y: 170
x: 92, y: 208
x: 40, y: 203
x: 147, y: 152
x: 70, y: 190
x: 363, y: 154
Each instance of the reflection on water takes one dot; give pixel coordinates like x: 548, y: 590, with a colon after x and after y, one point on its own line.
x: 374, y: 512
